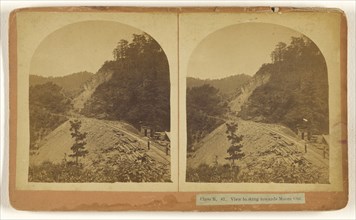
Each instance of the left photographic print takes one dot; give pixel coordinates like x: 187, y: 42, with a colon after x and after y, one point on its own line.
x: 99, y: 106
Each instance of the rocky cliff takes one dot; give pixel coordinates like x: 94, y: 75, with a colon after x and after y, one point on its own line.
x: 246, y: 90
x: 89, y: 88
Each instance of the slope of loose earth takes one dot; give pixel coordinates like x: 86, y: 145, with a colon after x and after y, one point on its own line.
x: 89, y: 88
x: 110, y: 143
x: 269, y: 149
x: 246, y: 91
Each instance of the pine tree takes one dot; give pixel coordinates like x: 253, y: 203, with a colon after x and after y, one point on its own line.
x: 78, y: 147
x: 235, y: 147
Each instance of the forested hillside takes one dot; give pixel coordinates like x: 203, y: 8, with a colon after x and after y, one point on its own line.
x: 205, y: 107
x: 297, y: 89
x: 72, y: 84
x: 48, y: 106
x: 139, y: 90
x: 227, y: 85
x: 207, y: 103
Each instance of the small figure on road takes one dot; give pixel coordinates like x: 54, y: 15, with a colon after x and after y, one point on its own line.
x: 148, y: 144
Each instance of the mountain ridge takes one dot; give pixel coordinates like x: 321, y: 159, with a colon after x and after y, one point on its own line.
x: 227, y: 85
x: 72, y: 83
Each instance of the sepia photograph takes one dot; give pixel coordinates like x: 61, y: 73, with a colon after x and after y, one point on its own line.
x: 257, y: 107
x: 177, y: 109
x: 99, y: 106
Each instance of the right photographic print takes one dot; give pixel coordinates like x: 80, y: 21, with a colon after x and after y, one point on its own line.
x: 257, y: 107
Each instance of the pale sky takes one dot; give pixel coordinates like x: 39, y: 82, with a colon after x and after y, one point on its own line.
x: 236, y: 49
x: 83, y: 46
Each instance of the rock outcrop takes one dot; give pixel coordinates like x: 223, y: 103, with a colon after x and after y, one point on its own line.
x: 89, y: 88
x: 246, y: 90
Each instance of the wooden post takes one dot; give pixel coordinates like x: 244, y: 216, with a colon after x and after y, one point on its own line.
x: 324, y: 151
x: 167, y: 149
x: 305, y: 147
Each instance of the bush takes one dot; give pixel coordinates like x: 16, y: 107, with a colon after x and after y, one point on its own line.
x: 61, y: 172
x: 277, y: 173
x: 103, y: 170
x: 214, y: 174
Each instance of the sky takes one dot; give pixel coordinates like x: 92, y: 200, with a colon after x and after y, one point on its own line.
x: 236, y: 49
x: 83, y: 46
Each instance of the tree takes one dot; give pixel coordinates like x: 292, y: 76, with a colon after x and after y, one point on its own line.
x: 120, y: 52
x: 205, y: 108
x: 78, y: 147
x: 235, y: 146
x: 278, y: 54
x: 139, y: 89
x: 299, y: 81
x: 48, y: 106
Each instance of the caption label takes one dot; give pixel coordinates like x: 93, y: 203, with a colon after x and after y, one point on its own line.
x: 244, y: 199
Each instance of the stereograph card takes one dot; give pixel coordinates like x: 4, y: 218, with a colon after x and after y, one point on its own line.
x: 167, y: 109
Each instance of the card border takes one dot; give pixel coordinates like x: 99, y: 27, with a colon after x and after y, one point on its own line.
x: 164, y: 201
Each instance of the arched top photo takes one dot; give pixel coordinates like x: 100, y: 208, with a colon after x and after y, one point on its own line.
x: 99, y: 101
x: 257, y: 92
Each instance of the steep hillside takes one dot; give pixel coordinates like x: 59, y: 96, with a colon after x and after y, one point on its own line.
x: 227, y: 85
x: 297, y: 89
x: 89, y: 87
x: 272, y: 154
x: 72, y: 84
x: 243, y: 93
x: 139, y: 88
x: 113, y: 146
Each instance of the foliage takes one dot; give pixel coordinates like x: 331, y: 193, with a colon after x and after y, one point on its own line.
x: 72, y: 84
x: 297, y: 89
x: 50, y: 97
x: 61, y: 172
x: 277, y: 173
x: 216, y: 173
x: 48, y: 106
x: 227, y: 86
x: 139, y: 90
x: 235, y: 147
x: 282, y: 172
x: 122, y: 169
x: 114, y: 170
x: 205, y: 107
x: 78, y: 146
